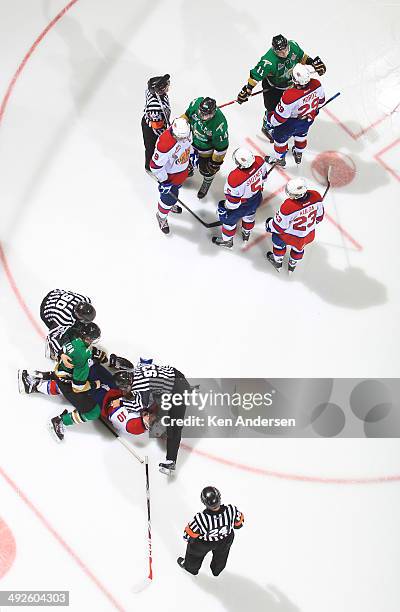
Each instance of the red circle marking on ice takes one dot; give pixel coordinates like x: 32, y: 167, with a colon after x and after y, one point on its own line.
x: 8, y: 548
x: 342, y: 168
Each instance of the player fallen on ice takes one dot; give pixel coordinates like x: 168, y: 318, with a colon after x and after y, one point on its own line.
x: 211, y: 530
x: 75, y: 376
x: 275, y: 71
x: 156, y: 114
x: 294, y: 223
x: 210, y: 139
x: 153, y: 382
x: 294, y: 115
x: 169, y: 165
x: 243, y: 195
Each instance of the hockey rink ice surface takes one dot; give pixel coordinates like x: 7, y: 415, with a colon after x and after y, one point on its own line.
x: 321, y: 529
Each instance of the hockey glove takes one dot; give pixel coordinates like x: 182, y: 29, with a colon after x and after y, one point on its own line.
x: 244, y: 94
x: 319, y: 65
x: 268, y: 225
x: 99, y: 355
x: 165, y: 187
x: 221, y: 211
x: 120, y: 363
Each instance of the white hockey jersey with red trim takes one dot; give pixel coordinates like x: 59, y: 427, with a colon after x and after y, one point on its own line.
x: 171, y: 158
x: 299, y: 217
x: 299, y: 103
x: 125, y: 414
x: 242, y: 184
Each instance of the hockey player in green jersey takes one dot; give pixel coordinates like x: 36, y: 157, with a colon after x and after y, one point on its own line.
x: 275, y: 71
x: 72, y: 377
x: 210, y: 138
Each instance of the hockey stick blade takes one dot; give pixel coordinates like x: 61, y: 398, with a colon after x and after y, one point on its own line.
x: 141, y: 586
x: 122, y: 441
x: 199, y: 219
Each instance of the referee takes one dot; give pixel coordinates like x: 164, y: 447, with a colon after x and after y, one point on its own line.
x: 210, y: 530
x: 156, y: 114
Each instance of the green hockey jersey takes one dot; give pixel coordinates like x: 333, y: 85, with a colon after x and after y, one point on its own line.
x: 278, y: 70
x: 76, y: 353
x: 210, y: 135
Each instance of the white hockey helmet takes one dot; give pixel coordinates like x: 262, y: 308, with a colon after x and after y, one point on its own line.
x: 243, y: 157
x: 296, y: 188
x: 180, y: 128
x: 301, y: 75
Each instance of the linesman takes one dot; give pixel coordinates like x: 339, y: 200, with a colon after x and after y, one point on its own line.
x: 210, y: 531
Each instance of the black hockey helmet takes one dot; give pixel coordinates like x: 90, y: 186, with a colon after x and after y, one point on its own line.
x: 279, y: 42
x: 124, y: 380
x: 211, y: 497
x: 158, y: 84
x: 89, y: 332
x: 207, y: 108
x: 84, y: 312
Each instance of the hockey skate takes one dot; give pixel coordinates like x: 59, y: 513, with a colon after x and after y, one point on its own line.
x: 270, y: 257
x: 245, y: 235
x: 205, y: 186
x: 176, y: 209
x: 291, y: 268
x: 57, y: 428
x: 267, y: 133
x: 297, y: 155
x: 163, y: 223
x: 275, y: 161
x: 120, y: 363
x: 181, y: 562
x: 167, y: 467
x: 27, y: 383
x: 221, y: 242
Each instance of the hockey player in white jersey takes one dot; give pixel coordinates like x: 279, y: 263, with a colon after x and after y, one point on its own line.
x: 294, y: 115
x: 169, y: 165
x: 294, y: 223
x: 243, y: 195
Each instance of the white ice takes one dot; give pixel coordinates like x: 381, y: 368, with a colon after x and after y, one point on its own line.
x: 77, y: 211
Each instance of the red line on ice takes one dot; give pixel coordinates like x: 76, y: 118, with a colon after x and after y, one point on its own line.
x: 59, y: 539
x: 286, y: 476
x: 35, y: 325
x: 378, y: 157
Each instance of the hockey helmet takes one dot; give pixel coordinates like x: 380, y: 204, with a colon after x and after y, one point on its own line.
x: 280, y: 43
x: 301, y: 75
x: 84, y: 312
x: 243, y: 157
x: 211, y: 498
x: 159, y: 84
x: 89, y: 332
x: 181, y: 128
x: 296, y: 188
x: 207, y: 108
x: 124, y: 380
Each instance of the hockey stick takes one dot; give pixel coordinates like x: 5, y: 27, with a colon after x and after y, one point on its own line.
x: 148, y: 580
x: 233, y: 101
x: 122, y: 441
x: 328, y: 183
x: 329, y: 100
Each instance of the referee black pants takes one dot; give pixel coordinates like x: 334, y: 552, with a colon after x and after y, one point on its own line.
x: 149, y: 139
x: 197, y: 549
x: 174, y: 432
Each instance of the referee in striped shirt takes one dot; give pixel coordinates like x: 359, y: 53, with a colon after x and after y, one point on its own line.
x: 210, y: 530
x: 156, y: 114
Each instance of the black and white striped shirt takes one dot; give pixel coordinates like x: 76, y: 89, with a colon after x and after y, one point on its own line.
x: 54, y: 338
x: 211, y: 526
x: 58, y: 307
x: 157, y: 110
x: 152, y: 380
